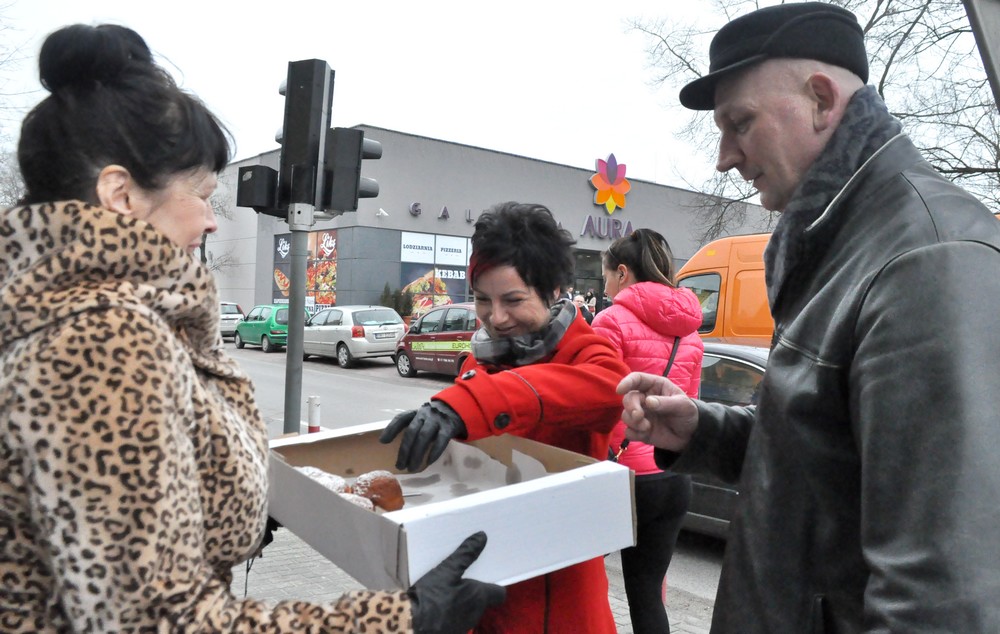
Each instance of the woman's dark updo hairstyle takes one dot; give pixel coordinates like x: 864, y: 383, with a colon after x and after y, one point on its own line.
x: 527, y: 237
x: 646, y: 253
x: 111, y: 104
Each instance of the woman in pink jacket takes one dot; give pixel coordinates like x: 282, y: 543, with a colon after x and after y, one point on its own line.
x: 649, y: 318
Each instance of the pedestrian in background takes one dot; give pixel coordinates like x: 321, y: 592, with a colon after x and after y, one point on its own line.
x: 537, y: 371
x: 653, y: 324
x: 869, y: 472
x: 133, y: 458
x: 582, y: 307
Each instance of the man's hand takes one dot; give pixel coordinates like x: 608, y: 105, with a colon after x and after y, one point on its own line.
x: 657, y: 412
x: 427, y: 432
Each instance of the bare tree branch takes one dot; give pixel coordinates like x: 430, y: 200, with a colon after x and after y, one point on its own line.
x: 927, y: 69
x: 222, y: 262
x: 11, y: 185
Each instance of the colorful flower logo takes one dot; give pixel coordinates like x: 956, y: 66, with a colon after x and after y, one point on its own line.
x: 610, y: 184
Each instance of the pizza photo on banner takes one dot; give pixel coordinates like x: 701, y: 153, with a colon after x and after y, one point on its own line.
x: 280, y: 281
x: 432, y: 269
x: 427, y: 289
x: 321, y: 269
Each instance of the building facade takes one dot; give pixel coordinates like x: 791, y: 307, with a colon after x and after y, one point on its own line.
x: 415, y: 234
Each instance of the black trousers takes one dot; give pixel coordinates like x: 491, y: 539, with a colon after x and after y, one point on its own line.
x: 661, y: 500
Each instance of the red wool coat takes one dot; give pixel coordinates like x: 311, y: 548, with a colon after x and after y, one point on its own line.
x: 569, y: 402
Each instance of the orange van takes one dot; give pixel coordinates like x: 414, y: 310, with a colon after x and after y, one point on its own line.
x: 727, y: 275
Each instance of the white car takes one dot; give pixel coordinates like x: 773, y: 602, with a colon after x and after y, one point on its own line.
x: 349, y: 333
x: 230, y: 315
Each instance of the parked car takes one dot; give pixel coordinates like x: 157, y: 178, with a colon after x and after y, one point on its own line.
x: 230, y: 314
x: 353, y: 332
x: 730, y: 374
x: 265, y: 326
x: 439, y: 341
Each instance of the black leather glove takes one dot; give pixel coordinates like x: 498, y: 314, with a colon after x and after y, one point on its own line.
x: 428, y: 430
x: 272, y: 525
x: 444, y: 602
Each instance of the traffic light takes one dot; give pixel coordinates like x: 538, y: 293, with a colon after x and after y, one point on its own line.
x: 257, y: 188
x: 308, y: 99
x: 308, y: 91
x: 319, y: 166
x: 344, y: 182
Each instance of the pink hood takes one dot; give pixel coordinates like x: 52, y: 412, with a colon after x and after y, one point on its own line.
x: 642, y: 325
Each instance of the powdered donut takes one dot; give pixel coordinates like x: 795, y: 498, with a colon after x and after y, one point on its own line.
x: 381, y: 487
x: 364, y: 503
x: 331, y: 481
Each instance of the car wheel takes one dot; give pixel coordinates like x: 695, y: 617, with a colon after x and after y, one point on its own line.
x: 459, y: 362
x: 266, y: 345
x: 238, y: 340
x: 403, y: 365
x: 344, y: 357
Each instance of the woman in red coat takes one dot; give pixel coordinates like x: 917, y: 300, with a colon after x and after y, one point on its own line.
x: 537, y: 371
x: 650, y: 322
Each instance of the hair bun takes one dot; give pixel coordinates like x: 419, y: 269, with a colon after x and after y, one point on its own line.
x: 82, y: 55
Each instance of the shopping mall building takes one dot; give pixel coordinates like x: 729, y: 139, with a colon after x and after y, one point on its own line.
x: 416, y: 233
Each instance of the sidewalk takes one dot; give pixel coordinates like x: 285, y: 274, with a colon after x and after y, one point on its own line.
x: 291, y: 569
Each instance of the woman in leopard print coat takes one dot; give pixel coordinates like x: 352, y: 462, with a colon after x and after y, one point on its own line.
x: 133, y: 459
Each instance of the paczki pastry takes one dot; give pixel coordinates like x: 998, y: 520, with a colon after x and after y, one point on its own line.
x: 364, y: 503
x: 381, y: 487
x: 331, y: 481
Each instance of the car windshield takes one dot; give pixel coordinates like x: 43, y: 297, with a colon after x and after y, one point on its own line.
x: 230, y: 309
x: 377, y: 317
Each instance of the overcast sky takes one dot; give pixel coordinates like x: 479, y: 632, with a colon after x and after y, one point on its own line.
x: 561, y: 81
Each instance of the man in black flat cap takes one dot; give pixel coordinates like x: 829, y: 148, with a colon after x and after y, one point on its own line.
x: 869, y: 471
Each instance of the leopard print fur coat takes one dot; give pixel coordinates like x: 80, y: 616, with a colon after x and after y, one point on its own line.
x: 133, y: 459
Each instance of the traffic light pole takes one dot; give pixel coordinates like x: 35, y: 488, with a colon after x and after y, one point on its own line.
x: 301, y: 218
x: 319, y: 177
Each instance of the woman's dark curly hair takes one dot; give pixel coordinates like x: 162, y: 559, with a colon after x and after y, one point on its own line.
x: 527, y: 237
x: 111, y: 104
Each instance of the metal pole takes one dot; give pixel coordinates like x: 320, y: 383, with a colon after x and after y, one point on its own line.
x: 300, y: 219
x: 313, y: 403
x: 984, y: 18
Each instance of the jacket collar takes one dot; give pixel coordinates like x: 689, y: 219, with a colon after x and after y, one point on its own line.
x: 66, y: 258
x: 796, y: 245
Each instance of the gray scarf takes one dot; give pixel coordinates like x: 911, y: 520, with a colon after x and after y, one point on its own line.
x: 791, y: 251
x: 525, y: 349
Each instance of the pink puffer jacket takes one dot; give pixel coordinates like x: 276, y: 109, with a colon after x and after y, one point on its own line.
x: 642, y: 325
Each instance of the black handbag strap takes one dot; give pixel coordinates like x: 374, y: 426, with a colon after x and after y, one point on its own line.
x: 673, y: 353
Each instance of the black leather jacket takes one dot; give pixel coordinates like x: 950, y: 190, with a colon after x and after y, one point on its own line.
x: 870, y: 471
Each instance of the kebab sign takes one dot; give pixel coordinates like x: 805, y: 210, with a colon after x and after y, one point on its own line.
x: 433, y: 269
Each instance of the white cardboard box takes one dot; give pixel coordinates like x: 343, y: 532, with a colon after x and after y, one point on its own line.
x: 583, y: 509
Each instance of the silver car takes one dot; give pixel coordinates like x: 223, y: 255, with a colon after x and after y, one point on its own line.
x: 731, y: 374
x: 353, y: 332
x: 230, y: 314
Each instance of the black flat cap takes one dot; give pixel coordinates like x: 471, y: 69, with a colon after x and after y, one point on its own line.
x: 802, y: 30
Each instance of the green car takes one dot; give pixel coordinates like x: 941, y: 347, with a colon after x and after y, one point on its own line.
x: 265, y: 326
